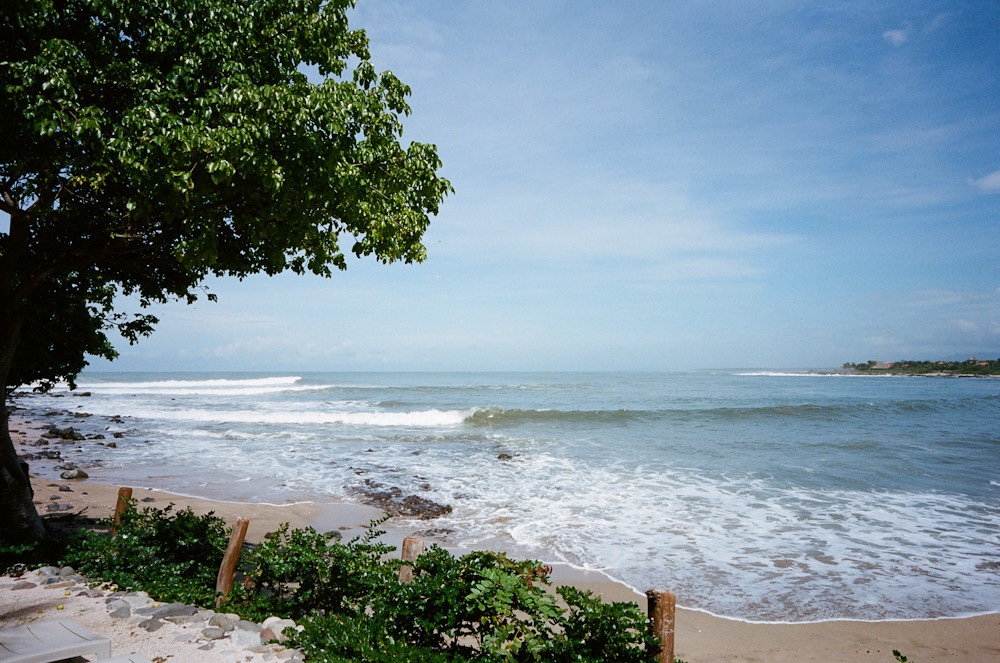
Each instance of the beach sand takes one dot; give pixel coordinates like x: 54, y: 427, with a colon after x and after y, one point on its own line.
x: 698, y: 636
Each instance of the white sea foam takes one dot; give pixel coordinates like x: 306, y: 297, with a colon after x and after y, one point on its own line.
x: 211, y: 387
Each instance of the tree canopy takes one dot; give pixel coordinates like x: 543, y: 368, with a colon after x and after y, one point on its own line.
x: 148, y: 144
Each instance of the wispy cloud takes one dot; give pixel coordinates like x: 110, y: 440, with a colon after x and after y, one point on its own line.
x: 988, y: 183
x: 897, y: 37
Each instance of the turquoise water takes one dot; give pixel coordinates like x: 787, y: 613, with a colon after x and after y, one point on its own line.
x: 756, y: 495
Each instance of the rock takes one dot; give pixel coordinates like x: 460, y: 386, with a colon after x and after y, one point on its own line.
x: 244, y: 639
x: 74, y: 474
x: 168, y: 610
x: 277, y: 626
x: 24, y: 584
x: 118, y: 435
x: 226, y: 622
x: 244, y: 625
x: 65, y: 489
x: 152, y: 624
x: 64, y: 434
x: 40, y: 442
x: 391, y: 499
x: 55, y: 507
x: 213, y: 633
x: 505, y: 457
x: 119, y: 608
x: 423, y: 508
x: 111, y: 445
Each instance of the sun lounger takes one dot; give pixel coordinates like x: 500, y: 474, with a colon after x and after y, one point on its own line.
x: 43, y: 642
x: 127, y: 658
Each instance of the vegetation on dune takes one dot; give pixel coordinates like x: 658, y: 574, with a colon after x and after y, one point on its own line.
x: 483, y: 606
x: 971, y: 366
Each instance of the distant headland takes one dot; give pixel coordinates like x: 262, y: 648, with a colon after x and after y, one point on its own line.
x: 971, y: 367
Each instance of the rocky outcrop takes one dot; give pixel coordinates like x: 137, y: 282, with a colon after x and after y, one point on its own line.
x: 393, y: 501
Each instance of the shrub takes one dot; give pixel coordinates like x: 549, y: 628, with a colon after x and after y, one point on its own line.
x: 300, y: 571
x: 482, y: 606
x: 174, y: 556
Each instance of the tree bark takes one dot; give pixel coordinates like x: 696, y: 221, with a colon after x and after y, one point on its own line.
x: 19, y: 520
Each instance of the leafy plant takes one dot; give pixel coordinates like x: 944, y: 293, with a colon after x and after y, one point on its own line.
x: 174, y: 556
x: 482, y: 606
x: 295, y: 572
x: 593, y: 630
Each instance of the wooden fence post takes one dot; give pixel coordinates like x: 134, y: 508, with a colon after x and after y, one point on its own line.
x: 121, y: 506
x: 227, y: 570
x: 412, y: 547
x: 662, y: 615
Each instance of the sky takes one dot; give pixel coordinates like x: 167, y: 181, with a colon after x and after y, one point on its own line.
x: 660, y: 186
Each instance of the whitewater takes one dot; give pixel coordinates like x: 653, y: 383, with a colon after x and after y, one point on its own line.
x: 765, y: 496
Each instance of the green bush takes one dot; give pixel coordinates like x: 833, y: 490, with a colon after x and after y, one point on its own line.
x: 294, y: 573
x: 174, y: 556
x: 482, y: 606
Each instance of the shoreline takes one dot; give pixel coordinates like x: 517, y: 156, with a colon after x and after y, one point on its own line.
x: 700, y: 636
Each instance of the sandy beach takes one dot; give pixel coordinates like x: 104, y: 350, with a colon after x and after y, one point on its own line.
x: 699, y: 636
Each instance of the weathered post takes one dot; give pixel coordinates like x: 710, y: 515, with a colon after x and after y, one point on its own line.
x: 121, y: 506
x: 227, y: 570
x: 412, y: 547
x: 662, y: 611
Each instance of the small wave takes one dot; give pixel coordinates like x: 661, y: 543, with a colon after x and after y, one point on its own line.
x: 791, y: 374
x: 202, y: 384
x: 416, y: 419
x: 212, y: 387
x: 504, y: 417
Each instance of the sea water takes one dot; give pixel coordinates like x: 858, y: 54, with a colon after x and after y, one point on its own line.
x: 758, y: 495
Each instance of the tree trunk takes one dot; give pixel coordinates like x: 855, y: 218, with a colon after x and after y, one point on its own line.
x: 19, y: 520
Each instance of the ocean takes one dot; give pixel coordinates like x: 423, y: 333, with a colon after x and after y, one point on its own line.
x: 763, y: 496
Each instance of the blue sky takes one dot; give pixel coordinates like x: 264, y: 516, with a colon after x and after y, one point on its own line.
x: 663, y: 186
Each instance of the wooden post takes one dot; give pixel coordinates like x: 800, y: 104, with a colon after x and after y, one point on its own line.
x: 121, y: 506
x: 412, y: 547
x: 662, y: 615
x: 227, y: 570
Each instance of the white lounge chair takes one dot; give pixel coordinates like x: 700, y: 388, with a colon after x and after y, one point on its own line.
x: 43, y: 642
x: 127, y: 658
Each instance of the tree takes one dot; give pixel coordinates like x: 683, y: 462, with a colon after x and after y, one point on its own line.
x: 148, y: 144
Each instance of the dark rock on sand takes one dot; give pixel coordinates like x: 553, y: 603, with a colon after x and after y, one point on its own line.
x: 393, y: 501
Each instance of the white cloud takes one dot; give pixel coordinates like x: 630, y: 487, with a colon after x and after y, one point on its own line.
x: 897, y: 37
x: 988, y: 183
